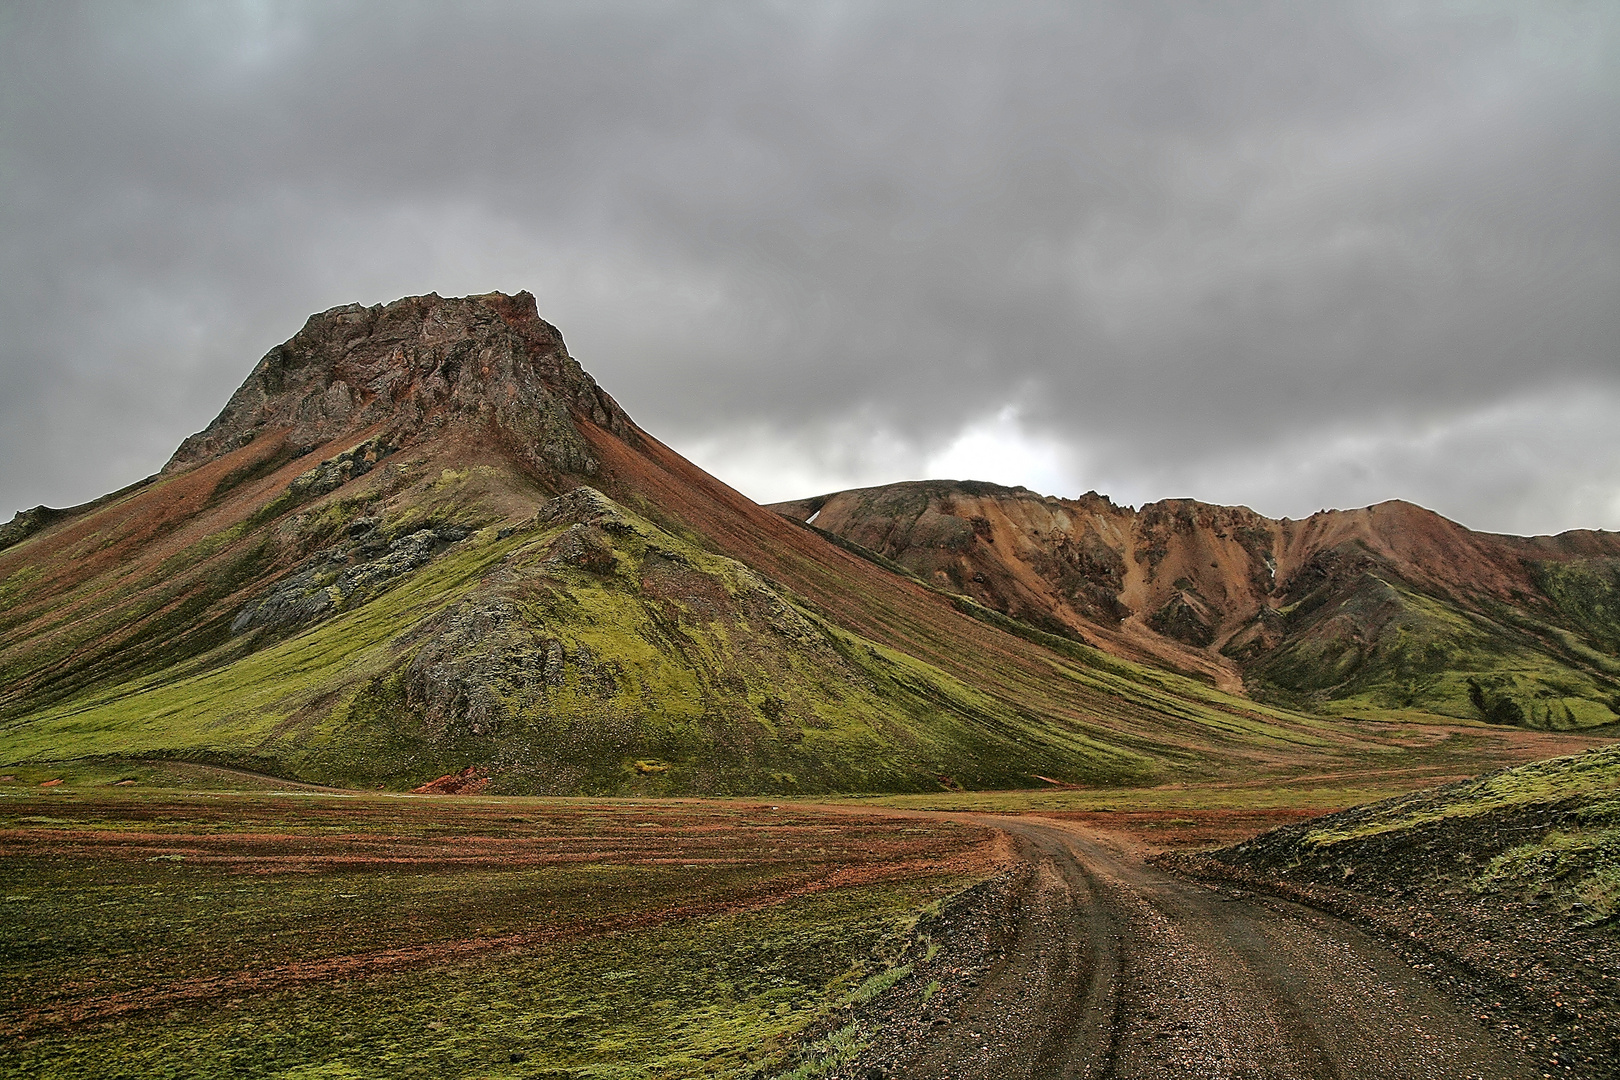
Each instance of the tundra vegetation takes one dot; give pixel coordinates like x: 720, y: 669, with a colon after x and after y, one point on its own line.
x: 274, y: 933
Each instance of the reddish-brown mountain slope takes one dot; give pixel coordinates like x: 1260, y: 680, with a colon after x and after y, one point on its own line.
x: 1387, y: 607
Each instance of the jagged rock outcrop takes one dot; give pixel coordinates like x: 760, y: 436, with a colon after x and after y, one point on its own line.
x: 412, y: 368
x: 338, y: 578
x: 482, y: 662
x: 26, y: 523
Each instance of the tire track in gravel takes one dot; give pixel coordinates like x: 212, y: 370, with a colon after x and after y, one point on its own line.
x: 1114, y: 970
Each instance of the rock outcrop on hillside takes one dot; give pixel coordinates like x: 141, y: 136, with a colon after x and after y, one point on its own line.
x: 414, y: 367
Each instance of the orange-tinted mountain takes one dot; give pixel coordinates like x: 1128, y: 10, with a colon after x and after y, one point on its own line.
x: 420, y: 540
x: 1387, y: 608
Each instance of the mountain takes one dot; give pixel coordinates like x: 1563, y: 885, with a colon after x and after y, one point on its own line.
x: 1391, y: 610
x: 421, y: 542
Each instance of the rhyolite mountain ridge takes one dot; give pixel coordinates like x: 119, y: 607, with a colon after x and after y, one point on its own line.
x: 420, y: 540
x: 1382, y: 609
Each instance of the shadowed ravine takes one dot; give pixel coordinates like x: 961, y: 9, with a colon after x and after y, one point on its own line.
x: 1116, y: 969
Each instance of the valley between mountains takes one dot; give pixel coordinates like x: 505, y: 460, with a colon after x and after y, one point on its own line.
x: 426, y: 716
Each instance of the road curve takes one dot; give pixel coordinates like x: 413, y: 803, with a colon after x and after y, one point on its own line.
x: 1116, y: 969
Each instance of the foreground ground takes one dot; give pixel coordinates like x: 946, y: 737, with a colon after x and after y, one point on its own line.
x: 1506, y: 888
x: 307, y: 933
x: 302, y: 934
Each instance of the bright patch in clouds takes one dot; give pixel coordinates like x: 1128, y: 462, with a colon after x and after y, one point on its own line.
x: 1000, y: 449
x: 770, y: 465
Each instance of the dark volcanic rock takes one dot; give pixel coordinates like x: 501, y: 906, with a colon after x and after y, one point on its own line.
x: 26, y: 523
x: 1185, y: 618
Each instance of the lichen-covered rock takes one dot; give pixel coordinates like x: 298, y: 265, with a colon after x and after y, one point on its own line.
x: 333, y: 579
x: 584, y: 506
x: 482, y: 661
x: 334, y: 472
x: 584, y: 546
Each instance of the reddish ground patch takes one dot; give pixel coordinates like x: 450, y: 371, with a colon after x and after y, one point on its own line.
x: 469, y: 781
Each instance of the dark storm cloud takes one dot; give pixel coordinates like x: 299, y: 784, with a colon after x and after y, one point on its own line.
x: 1296, y: 255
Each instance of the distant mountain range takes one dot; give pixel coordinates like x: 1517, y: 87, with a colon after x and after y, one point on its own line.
x: 1387, y: 610
x: 421, y: 541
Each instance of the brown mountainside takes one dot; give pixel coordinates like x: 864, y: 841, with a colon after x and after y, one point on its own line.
x: 1387, y: 607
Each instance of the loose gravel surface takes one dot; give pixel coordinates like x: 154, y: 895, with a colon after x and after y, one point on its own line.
x: 1103, y: 966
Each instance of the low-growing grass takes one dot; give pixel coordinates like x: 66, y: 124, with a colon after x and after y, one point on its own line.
x: 209, y: 934
x: 1584, y: 866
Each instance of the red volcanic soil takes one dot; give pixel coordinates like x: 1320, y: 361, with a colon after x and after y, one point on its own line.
x: 468, y: 781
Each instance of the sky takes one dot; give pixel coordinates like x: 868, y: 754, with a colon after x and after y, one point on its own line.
x: 1293, y: 256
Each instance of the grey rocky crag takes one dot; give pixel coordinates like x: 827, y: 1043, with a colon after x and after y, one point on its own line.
x: 412, y: 368
x: 334, y: 472
x: 337, y: 578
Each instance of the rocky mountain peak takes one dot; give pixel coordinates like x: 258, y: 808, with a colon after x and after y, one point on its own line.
x: 413, y: 368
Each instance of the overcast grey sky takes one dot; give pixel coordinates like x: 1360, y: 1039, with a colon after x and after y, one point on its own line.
x: 1290, y: 255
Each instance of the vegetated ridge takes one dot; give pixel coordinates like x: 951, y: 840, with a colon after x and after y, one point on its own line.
x: 420, y: 541
x: 1387, y: 610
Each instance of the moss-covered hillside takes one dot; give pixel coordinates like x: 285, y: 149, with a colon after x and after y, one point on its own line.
x: 586, y: 650
x: 1547, y: 833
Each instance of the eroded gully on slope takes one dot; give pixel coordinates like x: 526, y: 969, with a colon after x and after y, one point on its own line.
x: 1116, y: 969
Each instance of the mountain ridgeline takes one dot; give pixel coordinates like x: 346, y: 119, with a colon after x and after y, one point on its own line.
x: 420, y: 541
x: 1387, y: 610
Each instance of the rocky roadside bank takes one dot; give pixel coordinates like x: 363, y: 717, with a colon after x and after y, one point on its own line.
x: 1533, y: 962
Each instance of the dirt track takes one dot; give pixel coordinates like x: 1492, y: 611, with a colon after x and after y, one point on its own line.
x: 1115, y: 969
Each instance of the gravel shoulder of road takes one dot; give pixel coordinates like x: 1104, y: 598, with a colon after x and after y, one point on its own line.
x: 1541, y: 970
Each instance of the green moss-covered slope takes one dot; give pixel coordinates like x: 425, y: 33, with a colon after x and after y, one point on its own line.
x: 1379, y: 645
x: 587, y: 651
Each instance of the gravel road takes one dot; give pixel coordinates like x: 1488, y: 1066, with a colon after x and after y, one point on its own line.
x: 1116, y: 969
